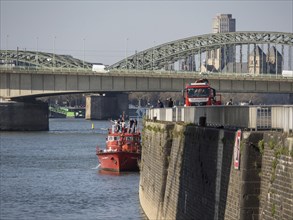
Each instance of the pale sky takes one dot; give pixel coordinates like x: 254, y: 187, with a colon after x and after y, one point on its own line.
x: 105, y: 31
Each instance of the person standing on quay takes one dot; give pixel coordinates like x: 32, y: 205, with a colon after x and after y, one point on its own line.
x: 160, y: 104
x: 170, y: 103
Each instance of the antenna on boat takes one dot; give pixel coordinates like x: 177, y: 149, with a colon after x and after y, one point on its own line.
x: 123, y: 113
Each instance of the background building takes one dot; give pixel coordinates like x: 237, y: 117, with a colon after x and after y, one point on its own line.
x: 275, y: 61
x: 257, y: 61
x: 261, y: 63
x: 224, y: 23
x: 219, y: 58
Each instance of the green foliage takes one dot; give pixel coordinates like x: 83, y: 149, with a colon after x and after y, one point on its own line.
x: 224, y: 140
x: 274, y: 163
x: 242, y: 144
x: 177, y: 134
x: 272, y: 144
x: 278, y: 151
x: 281, y: 150
x: 261, y: 146
x: 155, y: 129
x: 168, y: 159
x: 273, y: 177
x: 273, y: 210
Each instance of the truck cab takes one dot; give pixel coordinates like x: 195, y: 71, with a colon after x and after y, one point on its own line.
x: 200, y: 93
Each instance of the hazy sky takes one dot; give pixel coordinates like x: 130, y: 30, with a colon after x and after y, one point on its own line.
x: 104, y: 31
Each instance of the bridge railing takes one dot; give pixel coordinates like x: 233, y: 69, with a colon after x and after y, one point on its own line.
x: 246, y: 117
x: 199, y: 74
x: 167, y: 73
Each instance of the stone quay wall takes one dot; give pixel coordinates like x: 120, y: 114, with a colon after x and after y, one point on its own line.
x: 24, y: 116
x: 187, y: 172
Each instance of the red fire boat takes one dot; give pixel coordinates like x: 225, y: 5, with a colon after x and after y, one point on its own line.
x: 123, y: 151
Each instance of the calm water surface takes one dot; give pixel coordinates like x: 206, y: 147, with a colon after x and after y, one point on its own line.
x: 54, y: 175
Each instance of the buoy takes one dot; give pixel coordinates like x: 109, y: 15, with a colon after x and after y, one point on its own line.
x: 93, y: 127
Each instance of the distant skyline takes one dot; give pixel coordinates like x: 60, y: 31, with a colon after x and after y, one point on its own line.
x: 107, y: 31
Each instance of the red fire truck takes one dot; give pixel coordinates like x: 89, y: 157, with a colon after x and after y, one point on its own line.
x: 200, y: 93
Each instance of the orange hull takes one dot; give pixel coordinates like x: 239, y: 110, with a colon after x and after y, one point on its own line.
x: 119, y: 161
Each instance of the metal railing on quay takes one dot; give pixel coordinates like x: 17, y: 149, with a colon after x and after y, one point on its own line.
x: 246, y: 117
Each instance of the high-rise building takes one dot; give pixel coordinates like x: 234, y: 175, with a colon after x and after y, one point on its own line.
x: 224, y: 23
x: 219, y: 58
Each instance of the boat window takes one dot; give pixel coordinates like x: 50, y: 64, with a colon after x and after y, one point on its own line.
x: 113, y: 138
x: 129, y: 138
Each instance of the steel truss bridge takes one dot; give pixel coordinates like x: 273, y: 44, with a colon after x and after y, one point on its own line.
x: 42, y: 60
x: 157, y: 57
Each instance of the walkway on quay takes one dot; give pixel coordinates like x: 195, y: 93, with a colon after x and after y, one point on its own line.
x: 246, y: 117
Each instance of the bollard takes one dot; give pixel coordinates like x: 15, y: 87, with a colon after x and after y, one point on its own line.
x: 202, y: 121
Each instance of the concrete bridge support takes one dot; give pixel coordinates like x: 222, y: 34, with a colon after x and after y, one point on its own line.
x: 24, y: 116
x: 101, y: 107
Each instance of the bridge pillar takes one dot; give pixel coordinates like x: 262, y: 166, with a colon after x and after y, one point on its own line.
x: 24, y: 116
x: 99, y: 107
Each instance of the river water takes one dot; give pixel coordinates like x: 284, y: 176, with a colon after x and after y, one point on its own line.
x: 54, y: 175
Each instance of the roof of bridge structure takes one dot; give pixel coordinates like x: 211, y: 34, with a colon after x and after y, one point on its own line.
x: 41, y: 59
x: 159, y: 56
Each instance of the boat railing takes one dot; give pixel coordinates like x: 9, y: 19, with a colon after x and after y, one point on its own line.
x: 131, y: 147
x: 118, y: 128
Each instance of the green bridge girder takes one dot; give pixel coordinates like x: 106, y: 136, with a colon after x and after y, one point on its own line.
x: 41, y: 60
x: 159, y: 56
x: 153, y: 58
